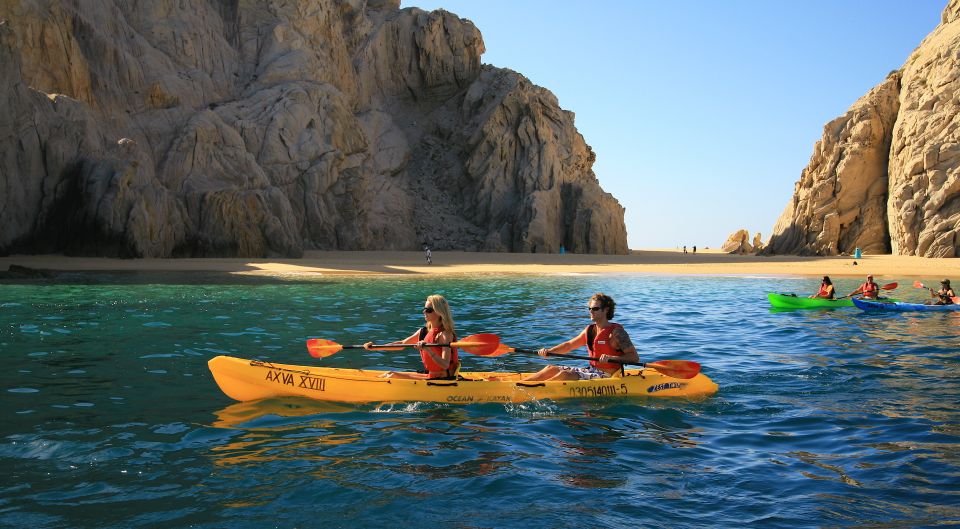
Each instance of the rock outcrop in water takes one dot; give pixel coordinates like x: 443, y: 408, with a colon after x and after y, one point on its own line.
x: 885, y: 176
x: 162, y: 128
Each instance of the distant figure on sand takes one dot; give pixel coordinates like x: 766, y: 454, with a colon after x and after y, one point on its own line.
x: 428, y: 254
x: 826, y: 289
x: 604, y: 339
x: 945, y: 295
x: 684, y: 248
x: 694, y: 249
x: 870, y: 290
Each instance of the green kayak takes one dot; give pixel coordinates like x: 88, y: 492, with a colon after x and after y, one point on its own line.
x: 793, y: 301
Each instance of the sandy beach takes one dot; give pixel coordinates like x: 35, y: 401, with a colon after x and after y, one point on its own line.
x: 664, y: 261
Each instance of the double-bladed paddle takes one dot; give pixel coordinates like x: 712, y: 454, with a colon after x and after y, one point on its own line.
x: 888, y: 286
x: 917, y: 284
x: 671, y: 368
x: 479, y: 344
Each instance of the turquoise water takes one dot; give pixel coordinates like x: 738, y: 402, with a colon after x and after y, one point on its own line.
x: 110, y: 417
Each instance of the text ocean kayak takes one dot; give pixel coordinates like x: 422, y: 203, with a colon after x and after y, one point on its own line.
x: 903, y: 307
x: 246, y: 380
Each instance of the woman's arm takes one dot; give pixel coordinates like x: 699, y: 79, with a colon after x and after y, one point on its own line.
x: 446, y: 355
x: 409, y: 340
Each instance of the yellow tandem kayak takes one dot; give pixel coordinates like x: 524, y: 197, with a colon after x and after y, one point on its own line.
x: 246, y: 380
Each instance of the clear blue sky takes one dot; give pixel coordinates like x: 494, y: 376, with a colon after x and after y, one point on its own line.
x: 702, y: 113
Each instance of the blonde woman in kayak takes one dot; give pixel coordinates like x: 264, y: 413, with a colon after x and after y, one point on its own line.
x: 438, y: 362
x: 608, y: 341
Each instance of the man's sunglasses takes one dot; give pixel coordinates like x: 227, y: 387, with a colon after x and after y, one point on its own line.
x: 594, y: 309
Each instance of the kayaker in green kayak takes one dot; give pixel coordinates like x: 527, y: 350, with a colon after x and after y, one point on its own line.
x: 869, y: 289
x: 826, y: 289
x: 945, y: 295
x: 604, y: 339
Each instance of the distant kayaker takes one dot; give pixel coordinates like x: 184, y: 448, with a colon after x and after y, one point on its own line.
x: 945, y: 295
x: 870, y: 290
x: 438, y: 362
x: 826, y: 289
x: 604, y: 339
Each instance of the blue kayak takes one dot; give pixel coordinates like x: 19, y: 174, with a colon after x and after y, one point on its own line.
x: 901, y: 306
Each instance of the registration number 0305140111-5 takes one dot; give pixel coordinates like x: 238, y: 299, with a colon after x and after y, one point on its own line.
x: 607, y: 390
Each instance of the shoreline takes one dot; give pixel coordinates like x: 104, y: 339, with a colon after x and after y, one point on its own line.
x: 661, y: 262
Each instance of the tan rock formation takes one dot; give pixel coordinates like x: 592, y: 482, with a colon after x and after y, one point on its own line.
x: 165, y: 128
x: 738, y: 242
x: 840, y: 201
x: 924, y: 202
x: 886, y: 175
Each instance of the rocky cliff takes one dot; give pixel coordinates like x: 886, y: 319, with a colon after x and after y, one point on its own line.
x: 885, y: 176
x: 154, y: 128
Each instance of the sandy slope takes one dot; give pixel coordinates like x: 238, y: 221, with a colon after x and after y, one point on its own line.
x: 640, y: 261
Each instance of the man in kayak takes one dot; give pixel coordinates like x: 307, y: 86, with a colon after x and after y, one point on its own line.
x: 604, y: 339
x: 826, y: 289
x: 870, y: 290
x: 438, y: 362
x: 945, y: 295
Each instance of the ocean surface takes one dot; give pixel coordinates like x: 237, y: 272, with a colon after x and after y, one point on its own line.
x: 825, y: 418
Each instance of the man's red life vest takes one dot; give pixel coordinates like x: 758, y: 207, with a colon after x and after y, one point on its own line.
x: 601, y: 346
x: 435, y: 369
x: 870, y: 289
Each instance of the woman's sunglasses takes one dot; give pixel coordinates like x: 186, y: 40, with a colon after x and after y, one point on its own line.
x: 427, y: 310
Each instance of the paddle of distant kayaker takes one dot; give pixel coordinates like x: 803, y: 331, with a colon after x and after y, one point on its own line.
x: 604, y: 339
x: 438, y: 362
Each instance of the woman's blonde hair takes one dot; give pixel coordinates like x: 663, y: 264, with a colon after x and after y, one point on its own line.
x: 442, y: 308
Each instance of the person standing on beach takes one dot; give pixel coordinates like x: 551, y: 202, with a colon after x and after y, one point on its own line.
x: 605, y: 341
x: 694, y: 249
x: 826, y: 289
x: 684, y: 248
x: 438, y: 362
x: 869, y: 289
x: 428, y: 254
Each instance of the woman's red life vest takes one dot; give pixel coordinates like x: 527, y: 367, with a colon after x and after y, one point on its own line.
x: 600, y: 345
x: 870, y: 289
x: 435, y: 369
x: 825, y: 291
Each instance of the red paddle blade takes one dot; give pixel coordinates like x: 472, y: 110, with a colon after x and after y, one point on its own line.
x: 918, y: 284
x: 890, y: 286
x: 320, y: 348
x: 676, y: 368
x: 484, y: 344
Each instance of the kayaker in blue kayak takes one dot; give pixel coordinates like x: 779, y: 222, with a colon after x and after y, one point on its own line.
x: 945, y: 295
x: 869, y: 289
x: 438, y: 362
x: 826, y: 289
x: 604, y: 339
